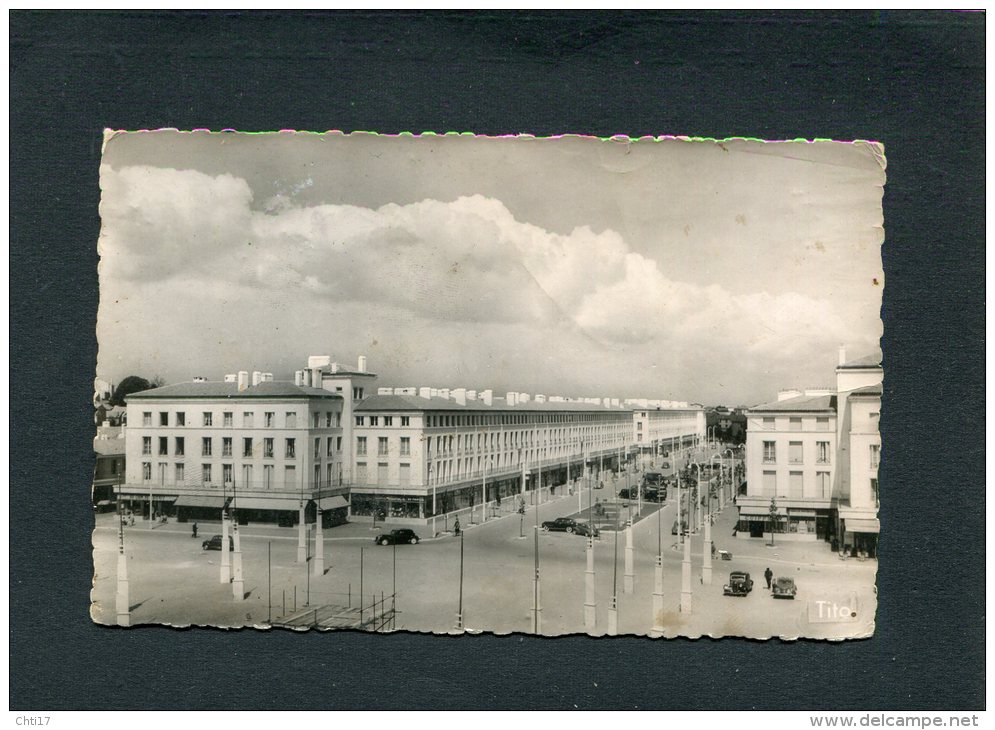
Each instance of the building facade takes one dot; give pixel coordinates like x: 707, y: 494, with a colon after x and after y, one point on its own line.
x: 335, y: 442
x: 262, y: 448
x: 813, y: 456
x: 424, y: 452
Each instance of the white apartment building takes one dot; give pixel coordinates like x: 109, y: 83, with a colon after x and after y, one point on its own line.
x: 332, y: 437
x: 815, y: 453
x: 262, y: 447
x: 664, y: 424
x: 424, y: 452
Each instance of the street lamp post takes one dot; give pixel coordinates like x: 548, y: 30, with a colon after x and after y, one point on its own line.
x: 237, y: 583
x: 536, y: 589
x: 122, y: 602
x: 686, y: 563
x: 301, y: 545
x: 590, y: 602
x: 657, y: 630
x: 459, y: 611
x: 613, y: 609
x: 319, y: 541
x: 629, y: 580
x: 225, y: 576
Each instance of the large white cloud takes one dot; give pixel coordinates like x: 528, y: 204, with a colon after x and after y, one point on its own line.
x: 448, y: 265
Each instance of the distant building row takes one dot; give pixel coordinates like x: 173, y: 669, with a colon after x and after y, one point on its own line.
x: 335, y: 442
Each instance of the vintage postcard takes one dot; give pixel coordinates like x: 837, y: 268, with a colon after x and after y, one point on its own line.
x: 449, y: 383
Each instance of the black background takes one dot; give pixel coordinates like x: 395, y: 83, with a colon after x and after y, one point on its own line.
x: 913, y: 81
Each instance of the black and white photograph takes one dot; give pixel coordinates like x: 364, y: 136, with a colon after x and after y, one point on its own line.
x: 447, y: 383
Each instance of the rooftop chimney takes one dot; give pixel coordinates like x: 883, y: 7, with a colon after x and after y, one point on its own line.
x: 459, y: 395
x: 318, y: 361
x: 511, y: 398
x: 200, y: 379
x: 267, y: 377
x: 257, y: 377
x: 231, y: 378
x: 471, y: 395
x: 361, y: 366
x: 487, y: 396
x: 425, y: 393
x: 444, y: 393
x: 842, y: 354
x: 299, y: 378
x: 523, y: 397
x: 243, y: 380
x: 540, y: 398
x: 316, y: 377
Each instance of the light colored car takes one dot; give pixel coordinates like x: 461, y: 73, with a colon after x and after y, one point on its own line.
x: 783, y: 588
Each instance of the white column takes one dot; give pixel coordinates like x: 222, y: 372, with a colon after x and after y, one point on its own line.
x: 536, y: 609
x: 629, y: 579
x: 686, y: 577
x: 225, y: 557
x: 613, y: 618
x: 706, y: 561
x: 590, y: 602
x: 237, y: 585
x: 123, y: 603
x: 302, y: 537
x: 319, y: 548
x: 657, y: 630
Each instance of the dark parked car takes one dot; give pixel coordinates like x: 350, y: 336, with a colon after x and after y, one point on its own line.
x: 214, y: 543
x: 783, y: 588
x: 584, y: 528
x: 684, y: 527
x: 653, y: 478
x: 397, y: 537
x: 563, y: 524
x: 739, y: 584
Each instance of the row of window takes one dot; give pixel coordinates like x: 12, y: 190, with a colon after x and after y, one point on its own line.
x: 796, y: 483
x: 383, y: 446
x: 795, y: 423
x: 796, y: 452
x: 249, y: 446
x: 387, y: 420
x: 331, y: 419
x: 364, y: 476
x: 454, y: 421
x: 332, y: 475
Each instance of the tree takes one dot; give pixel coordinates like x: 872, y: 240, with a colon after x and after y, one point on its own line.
x: 774, y: 519
x: 131, y: 384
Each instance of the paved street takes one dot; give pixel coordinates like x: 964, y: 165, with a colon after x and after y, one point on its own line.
x: 174, y: 581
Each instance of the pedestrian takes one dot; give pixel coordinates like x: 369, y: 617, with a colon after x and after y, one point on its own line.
x: 456, y: 528
x: 768, y: 574
x: 194, y: 530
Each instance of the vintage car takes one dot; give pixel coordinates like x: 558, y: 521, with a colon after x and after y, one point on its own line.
x: 561, y: 524
x: 739, y: 584
x: 584, y: 529
x: 214, y: 543
x: 783, y: 588
x: 397, y: 537
x: 684, y: 527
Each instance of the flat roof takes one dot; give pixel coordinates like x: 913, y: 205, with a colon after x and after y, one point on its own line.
x: 799, y: 404
x: 220, y: 389
x: 437, y: 403
x: 861, y: 363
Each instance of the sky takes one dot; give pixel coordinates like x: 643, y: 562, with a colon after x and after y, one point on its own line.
x: 710, y: 272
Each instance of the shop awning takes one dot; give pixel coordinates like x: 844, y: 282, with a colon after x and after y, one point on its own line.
x: 747, y: 511
x: 873, y: 526
x: 127, y: 493
x: 336, y: 502
x: 801, y: 512
x: 280, y: 504
x: 216, y: 502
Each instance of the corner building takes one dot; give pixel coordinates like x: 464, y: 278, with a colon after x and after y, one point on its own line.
x: 816, y: 454
x: 265, y: 449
